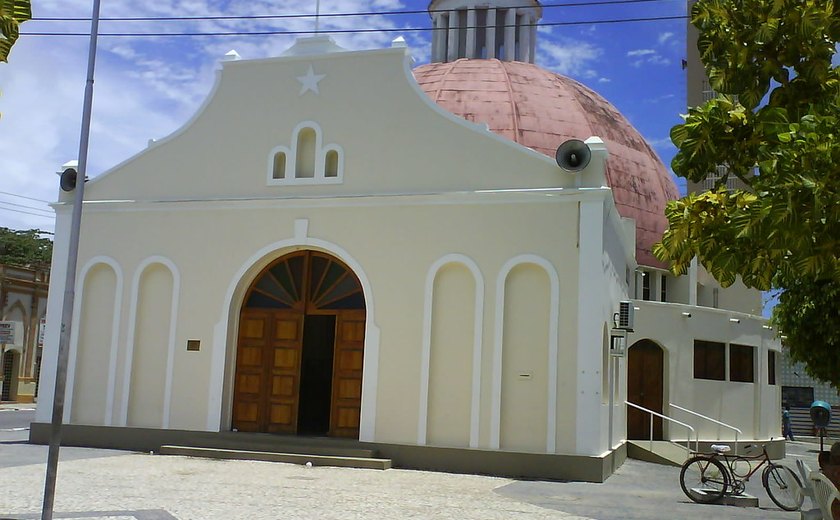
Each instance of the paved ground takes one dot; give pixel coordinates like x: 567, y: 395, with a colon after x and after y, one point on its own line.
x: 113, y: 485
x: 12, y: 419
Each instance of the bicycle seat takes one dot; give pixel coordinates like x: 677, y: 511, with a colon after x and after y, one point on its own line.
x: 721, y: 448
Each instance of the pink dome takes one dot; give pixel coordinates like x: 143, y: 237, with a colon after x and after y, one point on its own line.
x: 540, y: 110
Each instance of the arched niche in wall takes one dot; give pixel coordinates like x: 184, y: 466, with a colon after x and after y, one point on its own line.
x: 451, y: 358
x: 525, y: 356
x: 147, y: 377
x: 95, y: 332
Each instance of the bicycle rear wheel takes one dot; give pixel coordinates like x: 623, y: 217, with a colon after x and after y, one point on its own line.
x: 704, y: 479
x: 783, y: 487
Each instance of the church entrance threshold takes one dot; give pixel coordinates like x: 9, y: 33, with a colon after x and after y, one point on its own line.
x: 300, y: 349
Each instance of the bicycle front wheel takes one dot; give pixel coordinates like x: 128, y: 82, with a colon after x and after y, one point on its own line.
x: 704, y: 479
x: 783, y: 487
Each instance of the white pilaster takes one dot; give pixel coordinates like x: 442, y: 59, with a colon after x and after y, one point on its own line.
x: 590, y: 322
x: 439, y: 38
x: 525, y: 38
x: 452, y: 48
x: 49, y: 359
x: 692, y: 282
x: 510, y: 35
x: 533, y: 49
x: 471, y: 33
x: 490, y: 33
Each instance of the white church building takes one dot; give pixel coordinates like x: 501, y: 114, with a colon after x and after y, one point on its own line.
x: 339, y: 245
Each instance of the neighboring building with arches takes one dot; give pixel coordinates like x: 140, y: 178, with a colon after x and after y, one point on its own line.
x: 23, y: 308
x: 330, y: 248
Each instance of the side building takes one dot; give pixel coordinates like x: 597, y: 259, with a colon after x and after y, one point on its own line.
x: 23, y: 306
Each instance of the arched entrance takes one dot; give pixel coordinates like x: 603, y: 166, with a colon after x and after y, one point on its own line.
x: 645, y: 364
x: 300, y: 349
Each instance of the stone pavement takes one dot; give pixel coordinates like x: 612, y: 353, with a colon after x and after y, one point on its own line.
x: 154, y: 487
x: 136, y: 486
x: 117, y: 485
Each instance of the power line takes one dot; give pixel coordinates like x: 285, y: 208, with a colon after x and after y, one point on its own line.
x: 24, y: 197
x: 25, y: 212
x: 349, y: 31
x: 24, y: 206
x: 328, y: 15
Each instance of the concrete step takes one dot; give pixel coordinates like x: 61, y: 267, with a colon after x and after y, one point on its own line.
x: 271, y: 456
x: 662, y: 452
x: 278, y: 444
x: 742, y: 500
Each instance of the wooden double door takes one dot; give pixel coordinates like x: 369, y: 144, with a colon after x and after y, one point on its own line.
x: 301, y: 348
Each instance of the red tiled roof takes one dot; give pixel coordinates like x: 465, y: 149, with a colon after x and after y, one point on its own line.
x: 540, y: 110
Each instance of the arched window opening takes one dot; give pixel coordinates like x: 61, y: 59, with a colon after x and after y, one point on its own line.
x: 305, y: 161
x: 331, y: 164
x: 279, y: 171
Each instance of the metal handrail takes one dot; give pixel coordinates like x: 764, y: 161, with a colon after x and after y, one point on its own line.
x: 690, y: 429
x: 692, y: 412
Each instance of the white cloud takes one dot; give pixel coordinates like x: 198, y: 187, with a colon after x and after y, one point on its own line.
x: 664, y: 37
x: 661, y: 98
x: 604, y: 80
x: 640, y: 52
x: 663, y: 143
x: 659, y: 60
x: 568, y: 57
x: 647, y: 56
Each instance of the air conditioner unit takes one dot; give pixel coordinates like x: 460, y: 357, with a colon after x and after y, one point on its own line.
x: 625, y: 316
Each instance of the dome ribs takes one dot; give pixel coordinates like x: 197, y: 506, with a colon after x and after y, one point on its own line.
x: 513, y: 105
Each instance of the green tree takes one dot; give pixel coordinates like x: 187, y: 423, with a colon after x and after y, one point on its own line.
x: 774, y: 126
x: 808, y: 314
x: 25, y: 248
x: 12, y: 14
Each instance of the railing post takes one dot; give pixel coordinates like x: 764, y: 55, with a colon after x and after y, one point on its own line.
x: 651, y: 431
x: 651, y: 414
x: 688, y: 439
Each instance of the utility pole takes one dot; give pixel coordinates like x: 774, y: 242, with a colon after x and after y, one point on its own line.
x: 70, y: 279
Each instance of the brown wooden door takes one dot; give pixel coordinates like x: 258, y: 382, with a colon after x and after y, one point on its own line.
x: 347, y: 373
x: 645, y: 363
x: 268, y: 370
x: 284, y: 372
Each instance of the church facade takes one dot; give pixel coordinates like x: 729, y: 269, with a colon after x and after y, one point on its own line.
x: 338, y: 245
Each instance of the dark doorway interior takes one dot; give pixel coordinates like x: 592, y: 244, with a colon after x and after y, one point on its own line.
x: 8, y: 364
x: 316, y: 374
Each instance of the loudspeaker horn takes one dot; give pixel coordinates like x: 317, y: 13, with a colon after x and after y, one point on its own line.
x: 573, y: 155
x: 68, y: 179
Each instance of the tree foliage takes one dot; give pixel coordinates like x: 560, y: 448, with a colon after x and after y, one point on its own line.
x: 25, y: 248
x: 12, y: 14
x: 774, y: 126
x: 808, y: 314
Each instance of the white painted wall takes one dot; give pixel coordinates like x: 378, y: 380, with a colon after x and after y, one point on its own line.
x: 748, y: 406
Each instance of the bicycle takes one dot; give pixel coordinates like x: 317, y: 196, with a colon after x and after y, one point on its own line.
x: 706, y: 477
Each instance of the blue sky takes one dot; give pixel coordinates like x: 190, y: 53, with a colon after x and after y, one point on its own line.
x: 148, y: 87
